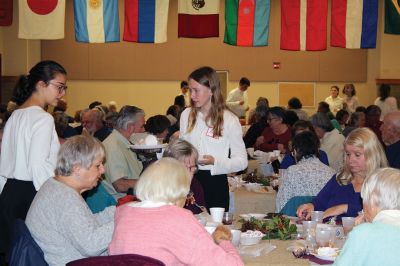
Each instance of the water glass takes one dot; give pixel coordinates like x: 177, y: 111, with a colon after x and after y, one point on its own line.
x: 348, y: 224
x: 309, y: 227
x: 317, y: 216
x: 323, y: 237
x: 235, y: 237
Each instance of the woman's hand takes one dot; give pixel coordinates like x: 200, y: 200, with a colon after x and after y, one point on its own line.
x: 336, y: 210
x: 259, y: 141
x: 304, y: 210
x: 221, y: 233
x: 281, y: 148
x: 206, y: 160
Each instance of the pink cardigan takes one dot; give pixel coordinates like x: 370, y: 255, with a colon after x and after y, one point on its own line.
x: 169, y: 234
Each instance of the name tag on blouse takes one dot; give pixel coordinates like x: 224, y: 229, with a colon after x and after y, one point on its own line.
x: 210, y: 133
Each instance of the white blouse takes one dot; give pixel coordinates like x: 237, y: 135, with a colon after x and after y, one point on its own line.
x: 202, y: 138
x: 334, y: 104
x: 30, y: 146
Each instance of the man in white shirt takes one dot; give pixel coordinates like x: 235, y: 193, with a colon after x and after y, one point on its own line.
x: 237, y: 99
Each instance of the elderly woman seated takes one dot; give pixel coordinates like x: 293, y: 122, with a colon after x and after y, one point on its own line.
x: 341, y: 195
x: 308, y: 176
x: 378, y: 241
x: 331, y: 140
x: 59, y: 219
x: 187, y: 154
x: 159, y: 227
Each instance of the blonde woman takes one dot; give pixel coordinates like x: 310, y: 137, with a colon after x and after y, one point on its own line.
x: 160, y: 228
x: 341, y: 195
x: 381, y: 200
x: 216, y: 133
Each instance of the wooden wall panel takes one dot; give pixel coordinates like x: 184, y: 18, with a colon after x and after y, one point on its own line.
x: 175, y: 59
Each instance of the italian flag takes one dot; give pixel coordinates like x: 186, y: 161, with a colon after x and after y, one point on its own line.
x: 247, y: 22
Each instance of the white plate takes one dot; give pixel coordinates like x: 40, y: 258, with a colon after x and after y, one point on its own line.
x: 148, y: 147
x: 328, y: 258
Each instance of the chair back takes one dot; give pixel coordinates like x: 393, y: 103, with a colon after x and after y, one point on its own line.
x: 291, y: 206
x: 98, y: 199
x: 117, y: 260
x: 24, y: 249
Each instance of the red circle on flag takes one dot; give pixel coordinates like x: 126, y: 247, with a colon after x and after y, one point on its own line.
x: 42, y: 7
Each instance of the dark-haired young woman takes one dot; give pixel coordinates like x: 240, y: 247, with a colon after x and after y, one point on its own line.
x: 30, y: 143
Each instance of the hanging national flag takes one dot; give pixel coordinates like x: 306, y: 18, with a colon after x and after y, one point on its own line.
x: 198, y: 19
x: 247, y: 22
x: 96, y: 21
x: 392, y: 17
x: 303, y: 25
x: 146, y: 21
x: 354, y: 23
x: 41, y: 19
x: 6, y: 12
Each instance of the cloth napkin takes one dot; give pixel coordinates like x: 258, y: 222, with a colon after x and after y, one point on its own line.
x: 256, y: 250
x: 316, y: 260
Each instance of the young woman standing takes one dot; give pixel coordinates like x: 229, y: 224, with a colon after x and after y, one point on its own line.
x: 30, y: 143
x: 217, y: 135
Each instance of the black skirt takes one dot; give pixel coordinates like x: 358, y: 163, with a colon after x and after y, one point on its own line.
x: 15, y: 200
x: 216, y: 189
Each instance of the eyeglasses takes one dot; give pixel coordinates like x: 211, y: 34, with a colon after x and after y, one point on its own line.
x: 61, y: 87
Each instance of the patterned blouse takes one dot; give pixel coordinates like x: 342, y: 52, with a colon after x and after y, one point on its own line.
x: 306, y: 178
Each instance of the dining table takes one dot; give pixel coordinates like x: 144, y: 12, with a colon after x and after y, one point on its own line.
x: 279, y: 256
x: 254, y: 202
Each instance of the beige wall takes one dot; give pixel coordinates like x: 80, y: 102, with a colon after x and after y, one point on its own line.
x: 18, y: 55
x: 155, y: 97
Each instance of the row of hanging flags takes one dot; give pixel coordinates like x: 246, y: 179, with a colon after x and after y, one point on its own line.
x: 303, y: 22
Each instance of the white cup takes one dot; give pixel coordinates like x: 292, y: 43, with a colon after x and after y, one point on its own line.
x: 217, y: 213
x: 235, y: 237
x: 210, y: 229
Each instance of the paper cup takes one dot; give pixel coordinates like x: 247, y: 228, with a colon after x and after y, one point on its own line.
x: 217, y: 213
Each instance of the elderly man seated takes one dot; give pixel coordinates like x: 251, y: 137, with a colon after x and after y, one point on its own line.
x: 391, y: 137
x: 92, y: 122
x: 122, y: 165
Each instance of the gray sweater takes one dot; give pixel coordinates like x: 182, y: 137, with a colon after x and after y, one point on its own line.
x: 64, y: 227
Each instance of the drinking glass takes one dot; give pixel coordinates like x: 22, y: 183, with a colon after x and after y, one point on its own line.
x: 317, y: 216
x: 228, y: 218
x: 348, y: 224
x: 323, y: 236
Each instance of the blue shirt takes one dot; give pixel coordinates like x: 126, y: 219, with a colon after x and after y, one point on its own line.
x: 334, y: 194
x: 288, y: 159
x: 371, y: 244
